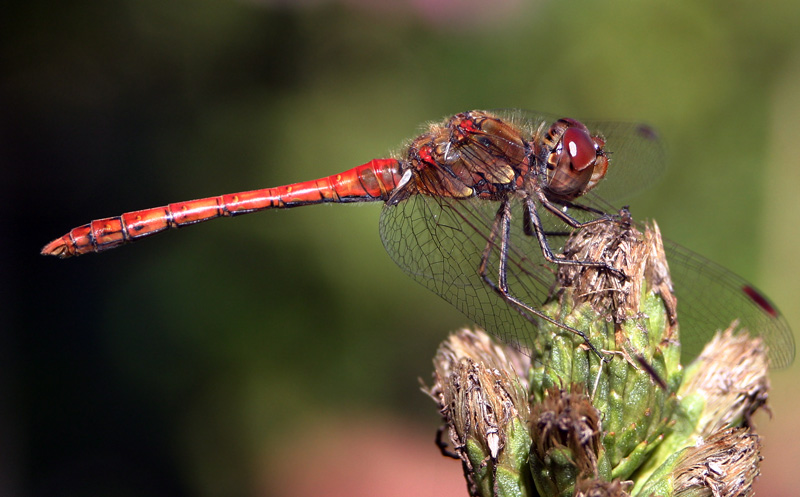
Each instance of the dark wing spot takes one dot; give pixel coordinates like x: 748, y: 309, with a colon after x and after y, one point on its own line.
x: 647, y: 132
x: 760, y: 300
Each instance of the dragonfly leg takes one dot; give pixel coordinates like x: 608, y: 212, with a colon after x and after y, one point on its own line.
x: 603, y: 217
x: 502, y: 227
x: 586, y: 208
x: 571, y: 221
x: 535, y: 224
x: 444, y: 447
x: 527, y: 227
x: 622, y: 217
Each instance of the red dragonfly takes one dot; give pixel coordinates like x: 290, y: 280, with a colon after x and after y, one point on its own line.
x: 449, y: 202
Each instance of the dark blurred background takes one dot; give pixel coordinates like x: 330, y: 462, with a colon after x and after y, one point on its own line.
x: 278, y: 354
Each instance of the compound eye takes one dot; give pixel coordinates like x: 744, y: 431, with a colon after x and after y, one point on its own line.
x: 579, y: 146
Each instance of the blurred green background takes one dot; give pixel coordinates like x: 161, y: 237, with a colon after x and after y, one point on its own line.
x: 278, y: 354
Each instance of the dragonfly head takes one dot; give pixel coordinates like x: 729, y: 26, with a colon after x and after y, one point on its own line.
x: 576, y: 161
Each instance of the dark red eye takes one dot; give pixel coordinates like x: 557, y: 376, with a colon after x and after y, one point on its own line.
x: 580, y: 147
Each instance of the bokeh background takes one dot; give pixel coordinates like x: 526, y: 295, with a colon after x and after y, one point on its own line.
x: 278, y: 354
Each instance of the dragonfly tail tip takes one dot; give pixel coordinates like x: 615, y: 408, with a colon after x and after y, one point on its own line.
x: 57, y: 248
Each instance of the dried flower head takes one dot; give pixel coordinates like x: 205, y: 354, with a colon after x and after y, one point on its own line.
x: 723, y: 465
x: 484, y: 404
x: 620, y: 245
x: 568, y: 423
x: 730, y: 376
x: 567, y: 434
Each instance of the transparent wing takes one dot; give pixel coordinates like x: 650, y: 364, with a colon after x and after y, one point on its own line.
x: 711, y: 297
x: 636, y: 154
x: 439, y: 242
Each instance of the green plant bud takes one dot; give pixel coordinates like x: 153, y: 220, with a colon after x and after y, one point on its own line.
x: 632, y: 321
x: 726, y: 463
x: 565, y: 428
x: 608, y: 413
x: 729, y: 379
x: 484, y: 404
x: 598, y: 487
x: 724, y: 386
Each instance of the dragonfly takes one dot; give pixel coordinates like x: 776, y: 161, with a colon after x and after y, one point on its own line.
x: 476, y: 208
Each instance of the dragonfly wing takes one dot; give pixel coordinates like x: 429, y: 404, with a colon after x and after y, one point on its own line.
x: 636, y: 154
x: 440, y: 241
x: 636, y: 158
x: 711, y: 297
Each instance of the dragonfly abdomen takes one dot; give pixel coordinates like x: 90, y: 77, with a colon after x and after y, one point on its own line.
x: 370, y: 182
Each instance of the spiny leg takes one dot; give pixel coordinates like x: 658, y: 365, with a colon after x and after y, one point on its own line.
x: 502, y: 227
x: 585, y: 208
x: 622, y: 217
x: 444, y: 447
x: 569, y: 220
x: 532, y: 217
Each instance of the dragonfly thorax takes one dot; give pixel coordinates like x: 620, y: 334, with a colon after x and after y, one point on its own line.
x: 473, y: 154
